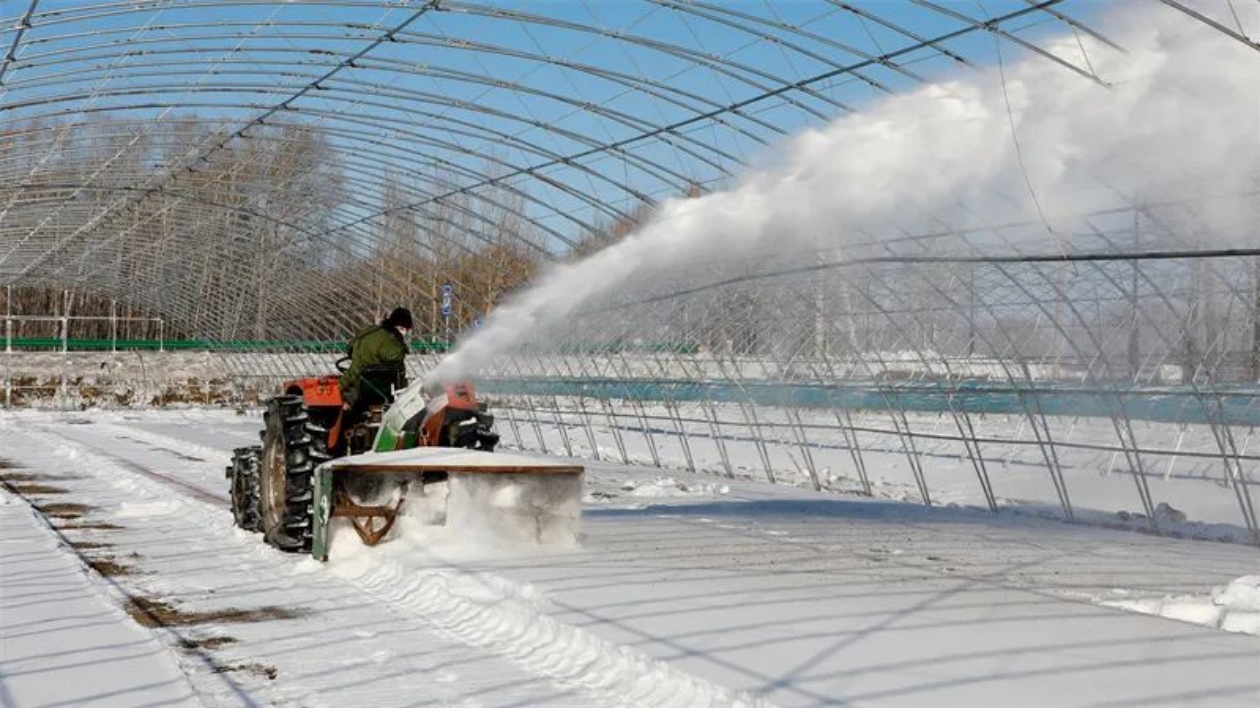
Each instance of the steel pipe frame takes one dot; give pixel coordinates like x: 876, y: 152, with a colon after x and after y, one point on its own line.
x: 663, y: 91
x: 942, y: 437
x: 258, y: 119
x: 397, y: 30
x: 357, y: 227
x: 425, y: 160
x: 1128, y: 442
x: 679, y: 141
x: 964, y: 437
x: 508, y: 188
x: 884, y: 59
x: 1221, y: 431
x: 334, y: 70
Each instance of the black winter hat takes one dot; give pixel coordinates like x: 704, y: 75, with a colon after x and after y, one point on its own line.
x: 399, y: 318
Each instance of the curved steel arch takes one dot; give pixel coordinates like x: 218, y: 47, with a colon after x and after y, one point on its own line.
x: 250, y: 167
x: 395, y: 32
x: 430, y: 159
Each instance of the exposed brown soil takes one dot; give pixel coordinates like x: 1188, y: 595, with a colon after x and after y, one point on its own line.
x: 256, y: 669
x: 64, y: 511
x: 33, y: 488
x: 30, y: 389
x: 190, y: 644
x: 108, y: 567
x: 24, y: 476
x: 155, y: 613
x: 90, y: 545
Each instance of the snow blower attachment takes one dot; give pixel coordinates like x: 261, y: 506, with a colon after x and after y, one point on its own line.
x: 491, y: 497
x: 321, y: 460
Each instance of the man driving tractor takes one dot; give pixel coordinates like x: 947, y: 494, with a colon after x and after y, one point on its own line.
x: 368, y: 408
x: 377, y: 366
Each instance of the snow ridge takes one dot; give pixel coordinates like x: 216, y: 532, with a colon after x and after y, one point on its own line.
x: 494, y: 613
x: 1233, y: 608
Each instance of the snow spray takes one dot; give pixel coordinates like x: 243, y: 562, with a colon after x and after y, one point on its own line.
x: 533, y: 510
x: 1027, y: 140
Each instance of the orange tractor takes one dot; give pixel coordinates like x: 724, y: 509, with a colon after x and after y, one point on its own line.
x: 273, y: 484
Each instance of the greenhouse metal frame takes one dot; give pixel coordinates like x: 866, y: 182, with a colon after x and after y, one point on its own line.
x: 282, y: 173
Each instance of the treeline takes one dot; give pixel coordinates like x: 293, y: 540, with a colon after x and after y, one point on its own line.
x: 278, y: 235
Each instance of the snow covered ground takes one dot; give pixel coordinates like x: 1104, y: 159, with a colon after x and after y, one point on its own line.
x: 687, y: 590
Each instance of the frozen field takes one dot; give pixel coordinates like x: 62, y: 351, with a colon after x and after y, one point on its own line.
x: 688, y: 590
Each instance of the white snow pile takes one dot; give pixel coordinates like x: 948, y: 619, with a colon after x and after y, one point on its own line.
x: 532, y: 509
x: 142, y: 510
x: 1234, y: 607
x: 511, y: 618
x: 670, y: 487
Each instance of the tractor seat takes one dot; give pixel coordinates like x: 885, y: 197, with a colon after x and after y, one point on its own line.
x: 377, y: 383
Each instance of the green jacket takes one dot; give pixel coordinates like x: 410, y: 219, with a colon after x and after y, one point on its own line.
x: 374, y: 346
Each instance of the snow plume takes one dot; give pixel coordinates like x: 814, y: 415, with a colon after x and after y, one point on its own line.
x: 527, y: 510
x: 1025, y: 141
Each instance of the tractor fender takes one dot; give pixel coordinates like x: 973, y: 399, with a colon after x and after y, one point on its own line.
x: 316, y: 391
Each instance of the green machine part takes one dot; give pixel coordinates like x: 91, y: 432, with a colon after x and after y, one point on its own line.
x: 408, y: 403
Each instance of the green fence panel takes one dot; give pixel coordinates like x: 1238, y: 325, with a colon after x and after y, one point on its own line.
x: 240, y: 345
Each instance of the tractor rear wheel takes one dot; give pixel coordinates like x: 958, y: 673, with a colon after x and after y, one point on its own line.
x: 243, y: 475
x: 292, y: 448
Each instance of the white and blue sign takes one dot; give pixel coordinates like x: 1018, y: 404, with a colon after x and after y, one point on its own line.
x: 448, y: 296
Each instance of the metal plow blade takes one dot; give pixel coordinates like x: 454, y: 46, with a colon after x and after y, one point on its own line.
x: 492, y: 496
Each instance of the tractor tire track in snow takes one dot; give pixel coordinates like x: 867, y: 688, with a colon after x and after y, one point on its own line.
x: 477, y: 609
x: 50, y: 599
x: 348, y: 650
x: 95, y: 556
x: 176, y: 483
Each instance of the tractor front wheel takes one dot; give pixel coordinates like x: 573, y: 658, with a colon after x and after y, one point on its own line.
x: 292, y: 449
